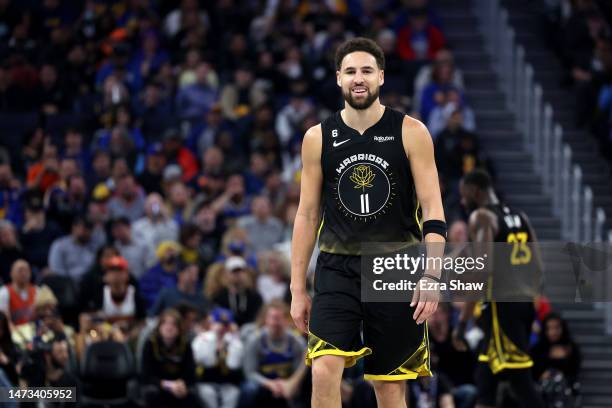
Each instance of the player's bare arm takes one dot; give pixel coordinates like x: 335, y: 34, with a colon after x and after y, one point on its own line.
x: 419, y: 149
x: 482, y: 228
x: 305, y: 225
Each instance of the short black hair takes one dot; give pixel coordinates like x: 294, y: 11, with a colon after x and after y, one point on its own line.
x: 478, y: 178
x: 360, y: 44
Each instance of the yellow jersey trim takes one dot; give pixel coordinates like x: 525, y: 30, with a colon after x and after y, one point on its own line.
x: 320, y: 226
x: 318, y: 347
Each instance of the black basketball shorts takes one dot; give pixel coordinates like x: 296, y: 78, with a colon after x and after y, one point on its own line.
x: 393, y: 345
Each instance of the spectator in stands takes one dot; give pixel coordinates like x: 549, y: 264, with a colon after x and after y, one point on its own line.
x: 241, y: 96
x: 438, y: 93
x: 204, y: 133
x: 74, y: 148
x: 31, y: 150
x: 156, y: 226
x: 273, y: 280
x: 128, y: 200
x: 180, y: 203
x: 37, y: 232
x: 49, y: 366
x: 556, y: 351
x: 151, y: 178
x: 456, y: 366
x: 8, y: 355
x: 163, y: 274
x: 93, y: 280
x: 289, y: 118
x: 450, y: 103
x: 219, y: 351
x: 194, y: 100
x: 50, y: 95
x: 419, y: 40
x: 135, y: 252
x: 45, y: 173
x: 211, y: 230
x: 274, y: 361
x: 190, y: 238
x: 237, y: 294
x: 73, y: 254
x: 187, y: 291
x: 457, y: 150
x: 48, y: 323
x: 176, y: 153
x: 118, y: 302
x: 147, y: 59
x: 168, y: 368
x: 234, y: 201
x: 67, y: 200
x: 17, y: 298
x: 10, y: 249
x: 263, y: 229
x: 101, y: 169
x: 443, y: 66
x: 211, y: 179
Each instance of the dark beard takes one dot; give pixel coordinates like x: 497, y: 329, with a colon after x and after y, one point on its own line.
x: 365, y: 104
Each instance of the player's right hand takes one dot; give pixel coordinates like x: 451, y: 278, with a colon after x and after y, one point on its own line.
x: 300, y: 310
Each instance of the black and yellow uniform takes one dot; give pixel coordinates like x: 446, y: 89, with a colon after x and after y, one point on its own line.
x: 507, y: 323
x: 368, y: 196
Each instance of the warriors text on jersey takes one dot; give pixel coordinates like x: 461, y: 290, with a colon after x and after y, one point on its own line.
x: 368, y: 190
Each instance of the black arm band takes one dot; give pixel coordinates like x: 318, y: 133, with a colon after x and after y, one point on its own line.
x: 435, y: 227
x: 434, y: 278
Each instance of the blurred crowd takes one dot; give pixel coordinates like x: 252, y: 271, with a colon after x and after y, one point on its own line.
x: 581, y: 34
x: 149, y: 178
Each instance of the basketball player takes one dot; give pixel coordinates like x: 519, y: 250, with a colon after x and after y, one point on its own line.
x: 366, y: 170
x: 507, y: 324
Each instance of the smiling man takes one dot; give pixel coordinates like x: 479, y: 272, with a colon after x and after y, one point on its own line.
x: 368, y: 172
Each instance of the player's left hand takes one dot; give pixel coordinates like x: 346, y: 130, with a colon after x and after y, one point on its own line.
x: 426, y: 302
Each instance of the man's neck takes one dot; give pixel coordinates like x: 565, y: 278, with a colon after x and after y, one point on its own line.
x: 361, y: 120
x: 19, y: 287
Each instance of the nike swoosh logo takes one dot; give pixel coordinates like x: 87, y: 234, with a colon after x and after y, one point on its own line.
x: 336, y: 143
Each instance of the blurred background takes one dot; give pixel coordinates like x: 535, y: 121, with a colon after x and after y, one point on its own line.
x: 150, y: 168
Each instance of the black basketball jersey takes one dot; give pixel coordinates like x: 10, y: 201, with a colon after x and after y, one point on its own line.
x: 514, y: 272
x: 368, y: 191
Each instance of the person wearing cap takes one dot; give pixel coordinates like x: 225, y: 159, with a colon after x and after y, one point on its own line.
x: 118, y: 302
x: 156, y: 226
x: 238, y: 295
x: 164, y: 274
x: 73, y: 254
x: 151, y: 178
x: 218, y: 351
x: 17, y: 299
x: 187, y: 291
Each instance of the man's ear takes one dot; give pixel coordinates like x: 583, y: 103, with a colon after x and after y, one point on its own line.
x: 338, y: 79
x: 381, y: 78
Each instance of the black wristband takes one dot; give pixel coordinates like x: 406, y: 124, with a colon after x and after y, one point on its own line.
x: 435, y: 227
x: 435, y: 278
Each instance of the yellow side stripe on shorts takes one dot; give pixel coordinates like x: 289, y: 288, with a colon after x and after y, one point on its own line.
x: 323, y: 348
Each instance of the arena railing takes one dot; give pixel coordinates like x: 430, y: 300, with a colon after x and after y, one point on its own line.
x: 562, y: 180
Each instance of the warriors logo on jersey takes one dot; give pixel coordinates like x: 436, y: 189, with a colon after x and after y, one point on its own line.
x: 364, y: 188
